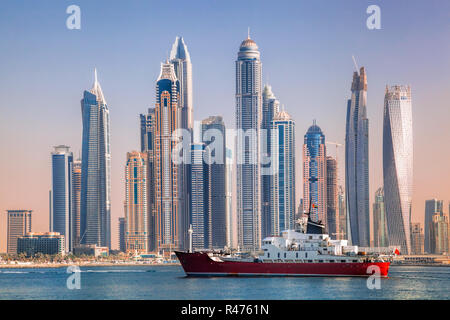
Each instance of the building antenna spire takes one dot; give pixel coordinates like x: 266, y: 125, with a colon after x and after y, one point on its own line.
x: 95, y: 75
x: 356, y: 65
x: 248, y: 33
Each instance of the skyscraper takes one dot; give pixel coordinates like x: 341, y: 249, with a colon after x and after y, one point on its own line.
x: 380, y: 234
x: 136, y: 211
x: 357, y: 162
x: 147, y: 129
x: 201, y: 218
x: 213, y: 131
x: 283, y: 180
x: 76, y: 198
x: 439, y: 233
x: 398, y: 164
x: 122, y: 227
x: 248, y: 124
x: 95, y: 169
x: 168, y: 218
x: 19, y: 224
x: 270, y: 107
x: 332, y: 198
x: 181, y: 61
x: 230, y: 213
x: 417, y: 238
x: 343, y: 221
x: 315, y: 173
x: 431, y: 207
x: 61, y: 209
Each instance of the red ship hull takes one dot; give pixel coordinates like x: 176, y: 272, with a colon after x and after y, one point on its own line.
x: 200, y: 264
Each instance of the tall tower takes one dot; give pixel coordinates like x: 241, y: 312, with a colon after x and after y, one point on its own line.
x: 95, y: 169
x: 357, y: 162
x: 417, y: 238
x: 283, y: 180
x: 398, y: 164
x: 380, y: 234
x: 230, y: 213
x: 122, y: 227
x: 181, y: 61
x: 332, y: 198
x: 136, y: 233
x: 61, y: 209
x: 431, y: 207
x: 147, y: 130
x: 270, y: 108
x: 76, y: 202
x: 168, y: 220
x: 248, y: 124
x: 343, y: 222
x: 213, y: 132
x: 200, y: 219
x: 19, y: 223
x: 315, y: 173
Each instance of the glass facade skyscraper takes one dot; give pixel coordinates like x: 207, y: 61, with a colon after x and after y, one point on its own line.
x: 269, y: 109
x: 147, y: 131
x: 95, y: 225
x: 314, y: 174
x: 431, y: 207
x: 181, y: 61
x: 213, y: 131
x: 398, y: 164
x: 332, y: 198
x: 61, y: 210
x: 167, y: 214
x: 357, y: 162
x: 201, y: 215
x: 76, y: 202
x: 380, y: 234
x: 136, y: 211
x: 248, y: 124
x: 283, y: 180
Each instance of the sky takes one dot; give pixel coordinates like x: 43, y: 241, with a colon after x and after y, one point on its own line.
x: 306, y: 50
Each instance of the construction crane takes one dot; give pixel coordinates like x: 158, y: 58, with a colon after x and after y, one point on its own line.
x: 337, y: 147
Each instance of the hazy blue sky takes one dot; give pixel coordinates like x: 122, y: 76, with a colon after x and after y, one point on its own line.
x: 306, y: 49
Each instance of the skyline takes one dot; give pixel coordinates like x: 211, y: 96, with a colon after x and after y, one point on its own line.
x: 125, y: 114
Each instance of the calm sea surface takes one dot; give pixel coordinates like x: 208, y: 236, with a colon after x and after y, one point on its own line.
x: 169, y: 282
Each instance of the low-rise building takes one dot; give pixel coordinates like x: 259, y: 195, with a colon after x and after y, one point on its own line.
x: 90, y: 250
x: 45, y: 243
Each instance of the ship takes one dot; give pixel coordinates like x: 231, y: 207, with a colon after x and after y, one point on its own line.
x: 306, y: 252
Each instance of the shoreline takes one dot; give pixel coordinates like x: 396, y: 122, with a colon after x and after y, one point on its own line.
x: 62, y: 265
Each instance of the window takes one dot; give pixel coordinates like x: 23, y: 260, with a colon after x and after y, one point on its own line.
x: 278, y: 254
x: 268, y: 254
